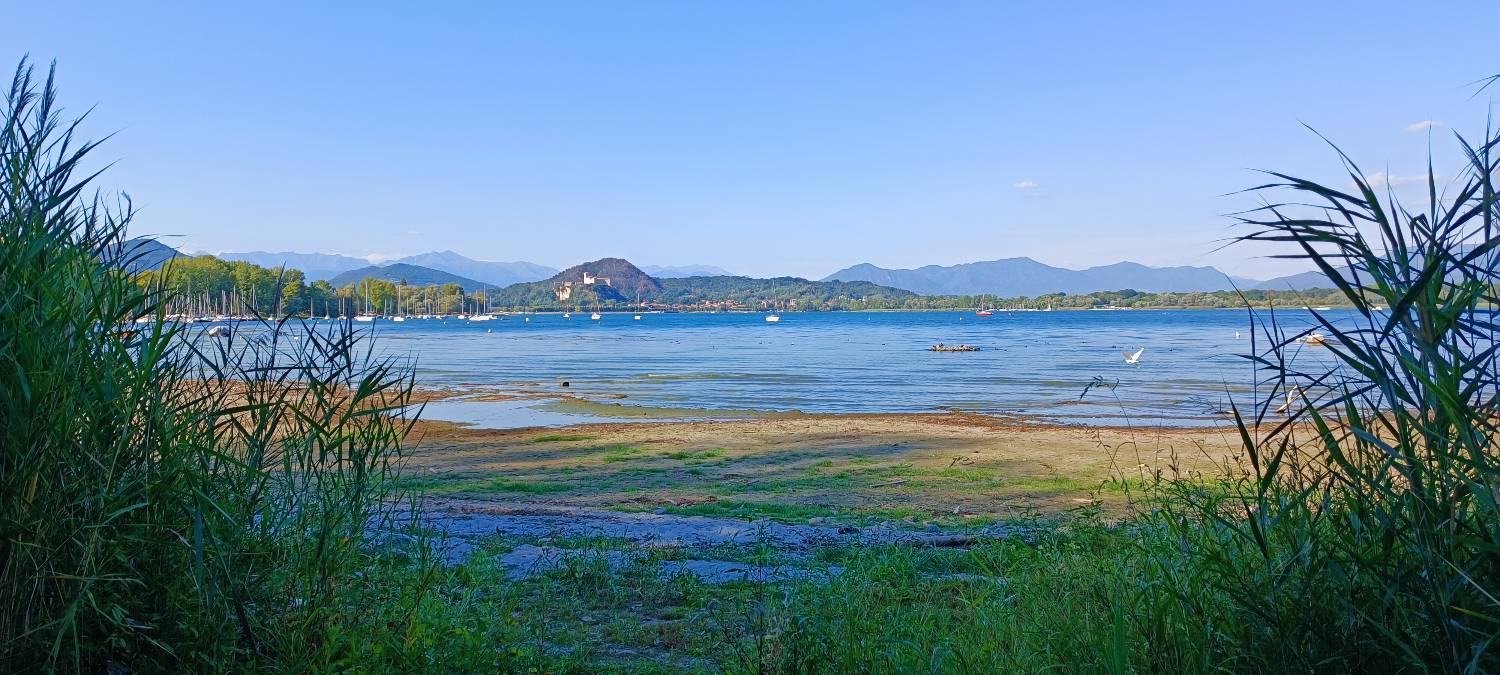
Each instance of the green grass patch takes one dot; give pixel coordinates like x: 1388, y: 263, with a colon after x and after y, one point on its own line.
x: 562, y: 438
x: 696, y: 455
x: 623, y: 453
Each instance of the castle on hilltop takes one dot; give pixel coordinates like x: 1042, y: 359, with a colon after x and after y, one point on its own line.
x: 565, y: 291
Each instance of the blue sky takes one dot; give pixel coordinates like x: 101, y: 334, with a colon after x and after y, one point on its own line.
x: 766, y: 138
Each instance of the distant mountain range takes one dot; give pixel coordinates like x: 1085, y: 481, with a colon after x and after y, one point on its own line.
x: 1009, y: 277
x: 683, y: 271
x: 314, y: 266
x: 1296, y: 282
x: 413, y: 275
x: 493, y: 273
x: 1012, y: 277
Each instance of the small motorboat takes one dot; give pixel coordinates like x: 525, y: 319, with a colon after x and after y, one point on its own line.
x: 1316, y: 339
x: 594, y: 316
x: 773, y: 318
x: 218, y: 331
x: 637, y: 317
x: 940, y: 347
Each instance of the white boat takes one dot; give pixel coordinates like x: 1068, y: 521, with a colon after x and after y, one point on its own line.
x: 365, y: 318
x: 637, y: 317
x: 398, y: 318
x: 567, y: 315
x: 594, y: 316
x: 218, y: 331
x: 773, y: 318
x: 484, y: 315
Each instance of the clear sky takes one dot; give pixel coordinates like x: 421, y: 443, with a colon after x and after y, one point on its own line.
x: 766, y: 138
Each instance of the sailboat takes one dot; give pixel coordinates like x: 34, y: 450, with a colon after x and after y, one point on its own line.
x: 483, y: 315
x: 595, y: 316
x: 983, y: 310
x: 366, y: 316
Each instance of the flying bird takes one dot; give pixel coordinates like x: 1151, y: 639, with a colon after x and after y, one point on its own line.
x: 1291, y: 394
x: 1134, y: 359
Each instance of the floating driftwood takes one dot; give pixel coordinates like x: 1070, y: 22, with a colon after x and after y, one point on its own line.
x: 940, y: 347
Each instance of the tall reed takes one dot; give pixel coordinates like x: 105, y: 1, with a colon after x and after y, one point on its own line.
x: 1363, y: 532
x: 168, y: 500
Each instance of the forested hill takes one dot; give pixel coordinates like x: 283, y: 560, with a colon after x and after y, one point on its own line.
x: 616, y: 282
x: 790, y: 292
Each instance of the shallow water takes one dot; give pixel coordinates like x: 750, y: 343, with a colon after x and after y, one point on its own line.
x: 670, y: 366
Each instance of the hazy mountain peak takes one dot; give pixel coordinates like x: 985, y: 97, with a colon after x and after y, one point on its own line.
x: 491, y: 272
x: 413, y: 275
x: 314, y: 266
x: 683, y: 271
x: 1025, y: 276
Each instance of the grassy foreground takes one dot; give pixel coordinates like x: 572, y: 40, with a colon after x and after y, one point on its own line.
x: 175, y: 502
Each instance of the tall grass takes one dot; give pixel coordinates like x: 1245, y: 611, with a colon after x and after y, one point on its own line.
x: 168, y: 501
x: 1363, y: 532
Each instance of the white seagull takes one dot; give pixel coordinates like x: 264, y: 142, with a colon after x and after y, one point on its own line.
x: 1134, y: 359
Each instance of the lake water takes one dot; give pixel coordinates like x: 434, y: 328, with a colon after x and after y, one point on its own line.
x: 1032, y: 364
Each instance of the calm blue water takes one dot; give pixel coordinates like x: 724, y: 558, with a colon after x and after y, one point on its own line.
x: 1032, y: 363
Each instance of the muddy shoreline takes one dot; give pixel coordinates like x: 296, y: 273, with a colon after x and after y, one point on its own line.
x: 944, y: 468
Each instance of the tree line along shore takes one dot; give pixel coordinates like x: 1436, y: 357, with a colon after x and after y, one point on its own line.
x: 234, y: 287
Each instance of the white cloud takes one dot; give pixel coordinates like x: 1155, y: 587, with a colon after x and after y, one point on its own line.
x: 1424, y: 125
x: 1025, y: 185
x: 379, y: 258
x: 1381, y: 179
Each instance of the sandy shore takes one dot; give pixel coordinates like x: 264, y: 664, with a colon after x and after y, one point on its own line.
x: 944, y: 469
